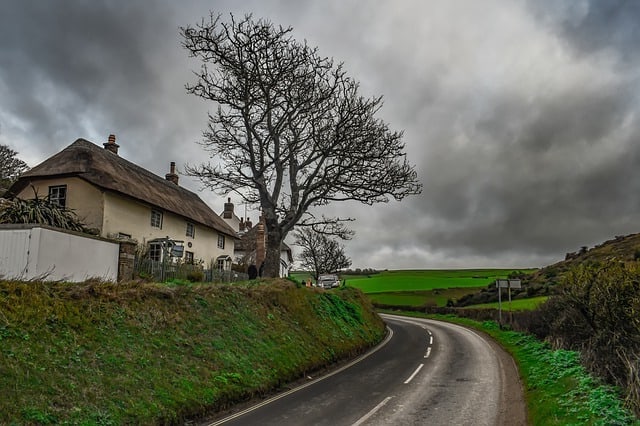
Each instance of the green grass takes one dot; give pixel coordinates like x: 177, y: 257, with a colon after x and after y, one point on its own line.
x: 558, y: 390
x: 100, y: 353
x: 427, y: 279
x: 515, y: 305
x: 426, y: 287
x: 435, y: 297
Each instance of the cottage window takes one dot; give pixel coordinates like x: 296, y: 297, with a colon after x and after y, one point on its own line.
x: 188, y: 257
x: 221, y: 241
x: 156, y: 219
x: 58, y: 195
x: 191, y: 230
x: 155, y: 252
x: 220, y: 264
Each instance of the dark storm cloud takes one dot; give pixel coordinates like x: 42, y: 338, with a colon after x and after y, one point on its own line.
x: 87, y: 69
x: 70, y: 56
x: 521, y: 118
x: 593, y: 26
x: 527, y: 157
x: 541, y: 176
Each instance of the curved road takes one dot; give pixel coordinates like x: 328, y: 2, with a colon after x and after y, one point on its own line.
x: 427, y: 372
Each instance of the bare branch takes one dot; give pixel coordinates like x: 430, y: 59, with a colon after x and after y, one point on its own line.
x: 291, y: 130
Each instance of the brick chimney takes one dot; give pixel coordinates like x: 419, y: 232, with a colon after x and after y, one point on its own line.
x: 242, y: 225
x: 260, y: 243
x: 228, y: 209
x: 111, y: 144
x: 172, y: 176
x: 248, y: 224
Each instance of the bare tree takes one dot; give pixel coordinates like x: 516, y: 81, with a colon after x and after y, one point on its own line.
x: 11, y: 167
x: 320, y: 253
x: 291, y: 131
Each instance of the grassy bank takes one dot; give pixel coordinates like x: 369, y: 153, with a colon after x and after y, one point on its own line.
x: 558, y: 390
x: 98, y: 353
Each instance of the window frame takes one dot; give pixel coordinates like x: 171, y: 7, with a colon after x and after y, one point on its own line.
x: 191, y: 227
x: 57, y: 199
x: 221, y: 241
x: 188, y: 257
x: 220, y: 265
x: 155, y: 252
x: 157, y: 214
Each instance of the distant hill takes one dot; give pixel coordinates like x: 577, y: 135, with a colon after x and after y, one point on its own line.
x: 621, y: 248
x: 543, y: 281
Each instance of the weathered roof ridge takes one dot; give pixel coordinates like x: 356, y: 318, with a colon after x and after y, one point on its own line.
x: 108, y: 170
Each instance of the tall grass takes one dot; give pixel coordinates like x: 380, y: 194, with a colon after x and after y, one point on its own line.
x: 100, y: 353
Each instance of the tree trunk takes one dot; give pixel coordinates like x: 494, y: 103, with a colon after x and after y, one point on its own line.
x: 272, y: 256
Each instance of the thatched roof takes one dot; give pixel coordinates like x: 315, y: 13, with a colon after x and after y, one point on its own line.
x: 109, y: 171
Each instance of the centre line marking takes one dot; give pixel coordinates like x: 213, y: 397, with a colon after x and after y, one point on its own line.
x: 372, y: 412
x: 406, y: 382
x: 428, y: 352
x: 431, y: 340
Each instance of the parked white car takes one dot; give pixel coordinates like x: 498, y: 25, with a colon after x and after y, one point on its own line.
x: 328, y: 281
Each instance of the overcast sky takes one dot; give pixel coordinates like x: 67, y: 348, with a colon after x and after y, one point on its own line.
x: 520, y: 116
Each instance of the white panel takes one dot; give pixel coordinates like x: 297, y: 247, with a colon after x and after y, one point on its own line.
x: 74, y: 258
x: 41, y: 253
x: 14, y: 251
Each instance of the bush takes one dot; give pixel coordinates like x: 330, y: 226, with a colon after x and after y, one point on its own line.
x: 41, y: 211
x: 195, y: 276
x: 598, y: 313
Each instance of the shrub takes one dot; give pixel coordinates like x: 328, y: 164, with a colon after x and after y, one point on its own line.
x: 195, y: 276
x: 598, y: 313
x: 41, y: 211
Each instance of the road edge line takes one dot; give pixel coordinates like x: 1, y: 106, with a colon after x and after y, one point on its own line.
x: 289, y: 392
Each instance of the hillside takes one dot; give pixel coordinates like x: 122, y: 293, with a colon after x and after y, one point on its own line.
x: 135, y: 353
x: 543, y: 281
x: 621, y: 248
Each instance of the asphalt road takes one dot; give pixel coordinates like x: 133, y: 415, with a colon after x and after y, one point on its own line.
x: 427, y: 373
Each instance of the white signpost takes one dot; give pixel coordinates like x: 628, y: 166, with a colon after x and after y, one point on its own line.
x: 500, y: 284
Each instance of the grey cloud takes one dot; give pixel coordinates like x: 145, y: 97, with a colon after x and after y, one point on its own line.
x: 522, y: 124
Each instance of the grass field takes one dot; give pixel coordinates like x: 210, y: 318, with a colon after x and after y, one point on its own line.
x: 515, y: 305
x: 421, y: 287
x: 427, y: 279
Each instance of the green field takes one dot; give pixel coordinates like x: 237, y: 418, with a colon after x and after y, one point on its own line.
x: 426, y: 279
x: 420, y: 287
x: 436, y: 297
x: 515, y: 305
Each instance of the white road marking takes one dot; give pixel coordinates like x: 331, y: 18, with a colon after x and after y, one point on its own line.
x: 289, y: 392
x: 414, y: 374
x: 431, y: 340
x: 372, y: 412
x: 428, y: 352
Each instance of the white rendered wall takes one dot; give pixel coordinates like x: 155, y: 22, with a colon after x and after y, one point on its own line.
x: 50, y: 255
